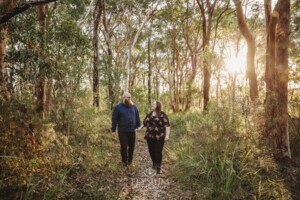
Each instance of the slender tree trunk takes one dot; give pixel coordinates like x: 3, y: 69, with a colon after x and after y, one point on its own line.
x: 191, y: 81
x: 251, y: 50
x: 131, y: 46
x: 282, y: 145
x: 149, y: 68
x: 175, y: 105
x: 4, y: 90
x: 267, y: 6
x: 109, y: 63
x: 42, y: 80
x: 233, y: 93
x: 218, y: 90
x: 3, y: 76
x: 207, y: 12
x: 48, y: 96
x: 176, y: 79
x: 96, y: 17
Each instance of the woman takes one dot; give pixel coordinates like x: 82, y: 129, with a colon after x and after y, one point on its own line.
x: 158, y: 130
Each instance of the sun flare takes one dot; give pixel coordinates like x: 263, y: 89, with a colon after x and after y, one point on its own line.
x: 236, y: 63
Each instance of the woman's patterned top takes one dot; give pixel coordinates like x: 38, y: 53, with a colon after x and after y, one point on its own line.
x: 156, y: 126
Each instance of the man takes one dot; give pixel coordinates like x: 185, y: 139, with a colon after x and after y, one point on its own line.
x: 126, y: 117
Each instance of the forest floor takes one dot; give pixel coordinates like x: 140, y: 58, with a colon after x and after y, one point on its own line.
x: 140, y: 181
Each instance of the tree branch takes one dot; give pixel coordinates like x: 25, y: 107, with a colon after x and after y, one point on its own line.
x: 21, y: 8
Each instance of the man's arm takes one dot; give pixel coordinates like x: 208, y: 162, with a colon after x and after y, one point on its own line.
x: 137, y: 116
x: 114, y: 120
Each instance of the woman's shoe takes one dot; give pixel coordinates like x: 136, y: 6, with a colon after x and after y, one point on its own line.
x: 158, y: 170
x: 153, y: 166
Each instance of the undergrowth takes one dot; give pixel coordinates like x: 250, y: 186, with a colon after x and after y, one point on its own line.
x: 70, y: 154
x: 218, y: 155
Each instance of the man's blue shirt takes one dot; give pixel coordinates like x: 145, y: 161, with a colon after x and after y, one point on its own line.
x: 127, y: 119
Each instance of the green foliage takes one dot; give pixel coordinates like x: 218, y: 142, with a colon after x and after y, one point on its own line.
x: 40, y: 158
x: 25, y: 141
x: 211, y: 153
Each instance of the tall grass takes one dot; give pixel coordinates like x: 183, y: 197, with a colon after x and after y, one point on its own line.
x: 43, y: 159
x: 214, y: 154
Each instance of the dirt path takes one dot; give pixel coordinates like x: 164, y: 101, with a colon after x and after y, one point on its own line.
x: 140, y: 181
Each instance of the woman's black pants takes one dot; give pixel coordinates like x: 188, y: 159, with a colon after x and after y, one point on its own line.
x: 155, y: 149
x: 127, y: 143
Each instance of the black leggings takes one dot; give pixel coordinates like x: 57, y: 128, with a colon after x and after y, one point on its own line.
x: 127, y: 143
x: 155, y: 149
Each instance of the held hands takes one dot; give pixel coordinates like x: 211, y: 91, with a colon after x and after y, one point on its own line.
x: 113, y: 133
x: 139, y: 128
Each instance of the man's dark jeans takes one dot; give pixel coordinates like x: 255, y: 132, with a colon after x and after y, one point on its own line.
x: 127, y: 143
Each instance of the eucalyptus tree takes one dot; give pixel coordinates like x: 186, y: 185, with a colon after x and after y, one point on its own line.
x: 209, y: 17
x: 96, y: 21
x: 278, y: 30
x: 55, y: 54
x: 41, y: 77
x: 191, y: 31
x: 148, y: 15
x: 251, y: 49
x: 6, y: 7
x: 9, y: 9
x: 172, y: 19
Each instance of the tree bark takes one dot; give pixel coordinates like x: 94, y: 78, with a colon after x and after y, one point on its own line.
x: 41, y: 82
x: 109, y: 63
x: 96, y: 17
x: 207, y: 12
x: 149, y: 68
x: 49, y: 96
x: 271, y: 110
x: 3, y: 75
x: 268, y: 12
x: 4, y: 90
x: 251, y: 50
x: 282, y: 145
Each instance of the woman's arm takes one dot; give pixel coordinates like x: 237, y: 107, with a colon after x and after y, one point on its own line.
x: 167, y: 133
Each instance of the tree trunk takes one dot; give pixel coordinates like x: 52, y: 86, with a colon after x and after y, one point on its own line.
x: 206, y: 84
x: 48, y: 96
x: 130, y: 48
x: 174, y: 64
x: 251, y: 50
x: 267, y: 6
x: 149, y: 68
x: 41, y: 82
x: 218, y: 90
x: 191, y: 81
x: 109, y: 63
x: 207, y: 12
x: 3, y: 76
x: 271, y: 110
x: 96, y: 17
x: 4, y: 90
x: 282, y: 145
x: 176, y: 78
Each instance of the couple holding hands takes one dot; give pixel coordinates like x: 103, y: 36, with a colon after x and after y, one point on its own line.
x: 126, y: 117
